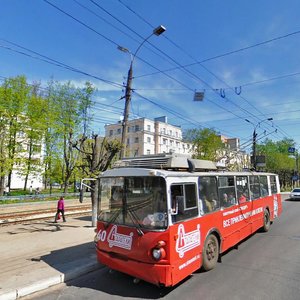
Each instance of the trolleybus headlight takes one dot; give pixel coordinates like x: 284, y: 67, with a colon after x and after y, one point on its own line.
x: 156, y: 253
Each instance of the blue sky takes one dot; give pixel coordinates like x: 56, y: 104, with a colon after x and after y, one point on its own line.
x: 243, y: 54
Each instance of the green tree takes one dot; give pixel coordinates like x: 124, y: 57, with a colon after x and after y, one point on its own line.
x: 206, y: 143
x: 73, y: 104
x: 13, y: 98
x: 278, y: 160
x: 33, y: 128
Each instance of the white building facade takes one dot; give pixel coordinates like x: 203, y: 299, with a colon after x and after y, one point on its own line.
x: 35, y: 178
x: 146, y: 137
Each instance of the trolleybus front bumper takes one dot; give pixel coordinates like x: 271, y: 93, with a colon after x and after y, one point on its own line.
x: 157, y: 274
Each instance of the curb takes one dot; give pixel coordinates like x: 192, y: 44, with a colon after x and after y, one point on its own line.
x: 49, y: 282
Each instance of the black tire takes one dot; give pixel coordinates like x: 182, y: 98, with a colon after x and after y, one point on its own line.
x: 267, y: 221
x: 210, y: 253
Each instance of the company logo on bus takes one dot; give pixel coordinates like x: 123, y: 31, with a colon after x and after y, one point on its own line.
x: 187, y: 240
x: 119, y: 240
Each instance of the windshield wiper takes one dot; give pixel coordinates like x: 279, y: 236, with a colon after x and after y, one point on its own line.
x: 112, y: 218
x: 135, y: 220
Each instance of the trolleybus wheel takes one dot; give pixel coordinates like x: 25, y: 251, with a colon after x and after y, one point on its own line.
x: 210, y: 252
x: 267, y: 221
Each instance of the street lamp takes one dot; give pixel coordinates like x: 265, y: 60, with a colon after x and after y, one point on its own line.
x: 254, y: 139
x: 157, y: 31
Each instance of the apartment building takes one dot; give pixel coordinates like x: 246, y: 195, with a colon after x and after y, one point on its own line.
x: 35, y: 178
x: 146, y: 137
x: 231, y: 157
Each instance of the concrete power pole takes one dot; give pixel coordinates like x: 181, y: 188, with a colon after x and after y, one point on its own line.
x: 126, y: 112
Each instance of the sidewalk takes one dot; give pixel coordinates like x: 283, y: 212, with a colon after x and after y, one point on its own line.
x: 38, y: 255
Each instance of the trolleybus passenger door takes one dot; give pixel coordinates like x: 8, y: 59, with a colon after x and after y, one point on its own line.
x: 185, y: 233
x: 244, y: 205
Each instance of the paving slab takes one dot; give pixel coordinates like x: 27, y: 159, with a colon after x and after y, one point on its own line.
x: 39, y: 254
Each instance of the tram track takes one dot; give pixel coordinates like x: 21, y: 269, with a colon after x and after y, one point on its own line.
x: 14, y: 217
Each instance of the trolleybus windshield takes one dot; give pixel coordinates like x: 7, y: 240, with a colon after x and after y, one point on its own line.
x: 133, y: 201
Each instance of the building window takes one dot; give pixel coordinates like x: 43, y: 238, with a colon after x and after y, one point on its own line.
x: 136, y: 140
x: 164, y: 130
x: 165, y: 141
x: 148, y: 152
x: 149, y: 127
x: 111, y: 132
x: 148, y: 139
x: 128, y: 141
x: 137, y: 128
x: 119, y: 131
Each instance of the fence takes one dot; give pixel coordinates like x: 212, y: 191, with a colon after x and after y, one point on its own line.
x: 41, y: 197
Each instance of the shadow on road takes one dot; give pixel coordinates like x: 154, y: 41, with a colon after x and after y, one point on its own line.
x: 121, y: 285
x: 292, y: 200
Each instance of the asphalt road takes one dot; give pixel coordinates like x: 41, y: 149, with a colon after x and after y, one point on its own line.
x: 265, y: 266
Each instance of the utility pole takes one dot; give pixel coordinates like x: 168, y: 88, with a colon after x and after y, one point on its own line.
x: 254, y: 149
x: 254, y: 162
x: 157, y: 31
x: 126, y: 112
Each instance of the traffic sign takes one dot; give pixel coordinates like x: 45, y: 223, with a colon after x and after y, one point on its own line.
x: 291, y: 150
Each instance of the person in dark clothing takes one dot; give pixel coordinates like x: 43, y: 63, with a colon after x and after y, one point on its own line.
x: 60, y: 209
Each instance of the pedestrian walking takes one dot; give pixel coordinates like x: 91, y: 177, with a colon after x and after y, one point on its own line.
x: 60, y: 209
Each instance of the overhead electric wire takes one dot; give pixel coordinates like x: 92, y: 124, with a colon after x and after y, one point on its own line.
x: 231, y: 52
x: 257, y: 44
x: 271, y: 79
x: 76, y: 19
x: 82, y: 23
x: 177, y: 114
x: 116, y: 44
x: 201, y: 80
x: 138, y: 35
x: 125, y: 25
x: 51, y: 61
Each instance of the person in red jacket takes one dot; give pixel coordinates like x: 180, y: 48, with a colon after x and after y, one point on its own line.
x: 60, y: 209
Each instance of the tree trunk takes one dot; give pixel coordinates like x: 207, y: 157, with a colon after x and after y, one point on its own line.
x: 2, y: 179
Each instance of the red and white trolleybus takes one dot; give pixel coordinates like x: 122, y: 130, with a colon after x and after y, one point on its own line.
x: 161, y: 218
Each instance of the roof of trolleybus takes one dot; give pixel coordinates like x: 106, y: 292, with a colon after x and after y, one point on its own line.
x: 170, y: 165
x: 120, y: 172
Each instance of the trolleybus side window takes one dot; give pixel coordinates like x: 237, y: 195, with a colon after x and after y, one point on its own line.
x: 184, y: 201
x: 254, y: 187
x: 273, y: 184
x: 263, y: 183
x: 242, y: 189
x: 227, y: 193
x: 208, y: 193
